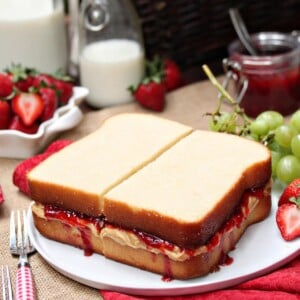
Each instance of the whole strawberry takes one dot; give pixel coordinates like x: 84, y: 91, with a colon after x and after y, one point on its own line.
x: 5, y: 114
x: 1, y: 195
x: 151, y: 95
x: 50, y: 99
x: 288, y: 212
x: 6, y: 85
x: 64, y: 90
x: 172, y: 75
x: 21, y: 77
x: 43, y: 80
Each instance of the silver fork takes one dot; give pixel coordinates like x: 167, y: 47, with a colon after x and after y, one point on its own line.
x: 20, y: 245
x: 7, y: 293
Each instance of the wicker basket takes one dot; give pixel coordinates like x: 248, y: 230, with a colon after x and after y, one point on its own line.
x: 193, y: 32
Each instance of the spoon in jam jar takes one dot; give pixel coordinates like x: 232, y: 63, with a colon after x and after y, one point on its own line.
x: 242, y: 31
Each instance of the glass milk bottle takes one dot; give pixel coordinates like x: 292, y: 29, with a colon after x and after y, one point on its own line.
x: 33, y: 34
x: 111, y: 52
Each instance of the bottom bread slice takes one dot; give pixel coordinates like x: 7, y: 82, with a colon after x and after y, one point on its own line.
x: 148, y: 252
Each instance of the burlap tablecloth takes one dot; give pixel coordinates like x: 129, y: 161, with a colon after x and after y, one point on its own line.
x: 187, y: 105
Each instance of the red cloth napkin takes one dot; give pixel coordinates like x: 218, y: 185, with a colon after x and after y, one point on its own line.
x: 282, y: 284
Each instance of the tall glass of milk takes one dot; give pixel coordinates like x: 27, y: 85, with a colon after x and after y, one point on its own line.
x: 33, y: 33
x: 112, y: 54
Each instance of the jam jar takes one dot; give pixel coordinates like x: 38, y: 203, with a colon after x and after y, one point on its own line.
x: 270, y: 80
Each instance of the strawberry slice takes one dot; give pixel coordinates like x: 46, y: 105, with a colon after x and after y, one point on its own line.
x: 288, y: 220
x: 17, y: 124
x: 292, y: 191
x: 28, y: 106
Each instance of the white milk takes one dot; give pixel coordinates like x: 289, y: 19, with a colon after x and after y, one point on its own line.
x: 32, y: 33
x: 108, y: 68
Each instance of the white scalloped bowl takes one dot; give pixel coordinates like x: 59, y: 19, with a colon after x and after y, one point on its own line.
x: 17, y: 144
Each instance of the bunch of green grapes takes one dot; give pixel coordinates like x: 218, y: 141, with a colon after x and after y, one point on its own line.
x: 284, y: 142
x: 269, y: 128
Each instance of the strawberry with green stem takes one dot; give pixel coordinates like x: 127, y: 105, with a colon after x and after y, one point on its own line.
x: 150, y: 92
x: 161, y: 76
x: 21, y: 77
x: 167, y: 70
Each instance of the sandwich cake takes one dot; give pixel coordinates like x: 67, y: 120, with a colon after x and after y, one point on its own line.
x: 153, y: 193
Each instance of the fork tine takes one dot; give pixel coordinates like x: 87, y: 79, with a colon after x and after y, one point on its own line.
x: 9, y: 287
x: 25, y: 233
x: 6, y: 284
x: 12, y: 234
x: 19, y: 232
x: 27, y: 242
x: 3, y: 284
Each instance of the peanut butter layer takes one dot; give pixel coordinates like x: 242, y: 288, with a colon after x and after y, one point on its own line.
x: 248, y: 212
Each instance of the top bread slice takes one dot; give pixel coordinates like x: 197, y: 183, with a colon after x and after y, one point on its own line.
x: 189, y: 191
x: 79, y: 175
x: 154, y: 175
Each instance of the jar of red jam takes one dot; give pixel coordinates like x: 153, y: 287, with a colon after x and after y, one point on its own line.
x: 270, y: 80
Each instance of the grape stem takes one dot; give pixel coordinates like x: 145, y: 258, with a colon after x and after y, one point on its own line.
x: 214, y: 81
x: 224, y: 94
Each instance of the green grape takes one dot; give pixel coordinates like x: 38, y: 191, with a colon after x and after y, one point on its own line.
x: 276, y: 156
x: 226, y: 122
x: 295, y: 120
x: 252, y: 137
x: 284, y: 135
x: 273, y: 118
x: 295, y: 145
x: 277, y: 148
x: 259, y: 127
x: 288, y: 168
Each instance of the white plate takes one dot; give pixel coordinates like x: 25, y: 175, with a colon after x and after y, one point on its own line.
x: 17, y: 144
x: 260, y: 250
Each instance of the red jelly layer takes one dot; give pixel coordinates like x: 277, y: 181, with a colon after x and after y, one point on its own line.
x: 81, y: 221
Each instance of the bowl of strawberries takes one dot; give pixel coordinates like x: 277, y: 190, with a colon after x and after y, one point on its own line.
x: 34, y: 108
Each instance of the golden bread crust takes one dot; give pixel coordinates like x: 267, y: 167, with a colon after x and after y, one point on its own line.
x: 209, y: 191
x: 61, y: 196
x: 77, y: 176
x: 189, y: 235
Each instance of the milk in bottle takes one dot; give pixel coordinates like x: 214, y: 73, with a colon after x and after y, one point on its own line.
x: 33, y: 33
